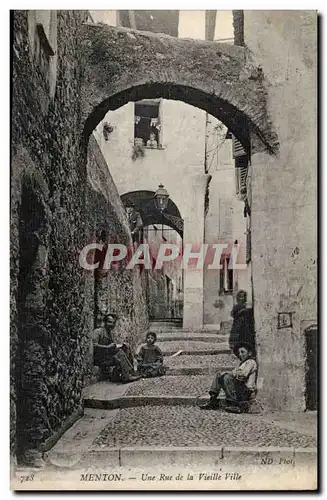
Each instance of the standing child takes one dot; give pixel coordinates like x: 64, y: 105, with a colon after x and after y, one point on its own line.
x: 239, y: 385
x: 150, y: 358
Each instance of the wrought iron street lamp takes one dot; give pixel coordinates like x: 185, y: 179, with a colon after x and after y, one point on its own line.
x: 161, y: 198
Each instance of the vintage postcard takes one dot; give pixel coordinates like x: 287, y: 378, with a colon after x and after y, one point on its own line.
x: 163, y: 250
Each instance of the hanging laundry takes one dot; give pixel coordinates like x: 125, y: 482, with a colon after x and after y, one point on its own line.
x: 137, y: 120
x: 154, y: 122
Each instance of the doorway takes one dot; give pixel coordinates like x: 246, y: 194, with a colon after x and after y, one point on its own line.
x: 311, y: 393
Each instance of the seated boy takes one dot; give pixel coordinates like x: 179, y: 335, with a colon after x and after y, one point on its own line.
x: 150, y: 358
x: 239, y: 385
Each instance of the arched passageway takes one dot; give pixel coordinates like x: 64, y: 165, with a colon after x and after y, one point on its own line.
x: 122, y: 65
x: 165, y: 284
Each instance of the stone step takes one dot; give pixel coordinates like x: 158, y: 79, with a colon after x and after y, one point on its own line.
x: 197, y: 331
x: 172, y: 321
x: 199, y: 458
x: 201, y: 337
x: 194, y: 370
x: 135, y: 401
x: 171, y: 386
x: 165, y: 326
x: 199, y: 365
x: 190, y: 347
x: 161, y: 391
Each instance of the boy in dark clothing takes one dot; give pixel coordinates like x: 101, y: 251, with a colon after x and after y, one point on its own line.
x: 115, y: 362
x: 150, y: 358
x: 243, y: 323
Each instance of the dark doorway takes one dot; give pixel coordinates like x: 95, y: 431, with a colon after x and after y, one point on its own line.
x: 311, y: 334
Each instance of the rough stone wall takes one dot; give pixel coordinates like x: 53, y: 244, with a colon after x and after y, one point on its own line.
x: 51, y: 298
x: 284, y: 205
x: 47, y: 201
x: 124, y: 289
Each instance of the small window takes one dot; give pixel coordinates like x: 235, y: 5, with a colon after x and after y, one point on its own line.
x: 147, y: 124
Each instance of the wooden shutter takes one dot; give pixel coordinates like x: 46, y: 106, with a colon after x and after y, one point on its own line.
x: 238, y: 149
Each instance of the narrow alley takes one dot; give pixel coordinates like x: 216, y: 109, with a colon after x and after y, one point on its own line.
x: 158, y: 420
x: 163, y: 180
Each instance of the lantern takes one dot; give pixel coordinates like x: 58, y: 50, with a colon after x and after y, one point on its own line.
x: 161, y: 198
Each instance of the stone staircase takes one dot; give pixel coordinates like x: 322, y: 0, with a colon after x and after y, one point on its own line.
x: 158, y: 421
x: 188, y: 377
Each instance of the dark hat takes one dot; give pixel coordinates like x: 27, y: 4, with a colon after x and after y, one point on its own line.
x: 248, y: 347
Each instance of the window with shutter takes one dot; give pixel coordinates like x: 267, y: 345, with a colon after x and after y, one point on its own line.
x: 241, y: 172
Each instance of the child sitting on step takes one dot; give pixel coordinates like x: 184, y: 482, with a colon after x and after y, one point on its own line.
x: 150, y: 358
x: 239, y: 385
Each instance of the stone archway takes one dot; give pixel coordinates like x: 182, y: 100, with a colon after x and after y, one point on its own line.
x: 122, y: 65
x: 164, y: 290
x: 144, y: 203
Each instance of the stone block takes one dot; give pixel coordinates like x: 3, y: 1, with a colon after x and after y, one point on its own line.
x: 171, y: 456
x: 101, y: 457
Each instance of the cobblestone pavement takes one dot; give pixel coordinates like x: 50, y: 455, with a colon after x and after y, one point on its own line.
x: 168, y: 425
x: 190, y: 426
x: 187, y: 385
x: 214, y: 361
